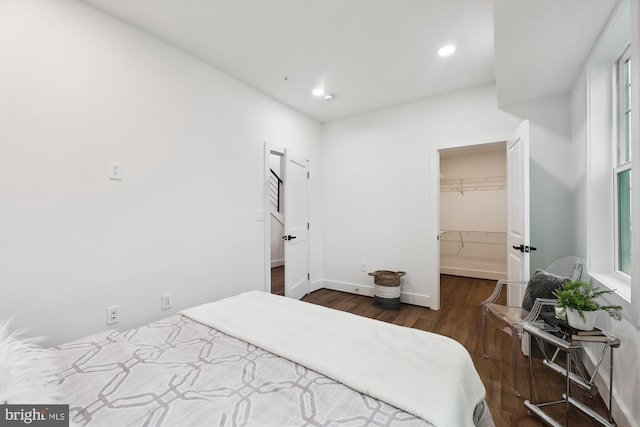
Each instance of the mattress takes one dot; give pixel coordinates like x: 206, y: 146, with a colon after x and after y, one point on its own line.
x: 181, y: 372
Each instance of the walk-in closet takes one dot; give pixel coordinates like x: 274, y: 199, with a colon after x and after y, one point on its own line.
x: 473, y: 211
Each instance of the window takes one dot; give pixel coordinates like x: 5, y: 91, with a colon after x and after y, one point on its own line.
x: 609, y: 132
x: 622, y: 167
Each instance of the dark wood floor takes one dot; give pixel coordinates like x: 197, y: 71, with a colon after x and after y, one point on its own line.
x: 277, y: 280
x: 459, y: 318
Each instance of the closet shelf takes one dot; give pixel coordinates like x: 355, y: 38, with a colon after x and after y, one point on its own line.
x: 478, y: 183
x: 485, y: 232
x: 462, y: 237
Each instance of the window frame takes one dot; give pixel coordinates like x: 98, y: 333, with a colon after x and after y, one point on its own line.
x: 622, y: 148
x: 601, y: 137
x: 621, y: 103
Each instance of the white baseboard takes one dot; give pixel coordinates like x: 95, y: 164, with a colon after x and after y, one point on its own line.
x: 620, y: 412
x: 318, y: 284
x: 480, y: 274
x: 367, y: 290
x: 277, y: 263
x: 417, y: 299
x: 351, y: 288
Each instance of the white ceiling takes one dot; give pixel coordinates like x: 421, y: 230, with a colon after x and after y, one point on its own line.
x: 374, y: 54
x: 474, y: 150
x: 541, y: 45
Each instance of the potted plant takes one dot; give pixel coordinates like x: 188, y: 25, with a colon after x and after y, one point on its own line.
x: 579, y: 300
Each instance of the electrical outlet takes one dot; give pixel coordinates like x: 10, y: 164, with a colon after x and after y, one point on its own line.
x: 112, y: 315
x: 363, y: 266
x: 115, y: 170
x: 165, y: 301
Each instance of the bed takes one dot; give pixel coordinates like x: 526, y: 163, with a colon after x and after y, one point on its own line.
x: 257, y: 359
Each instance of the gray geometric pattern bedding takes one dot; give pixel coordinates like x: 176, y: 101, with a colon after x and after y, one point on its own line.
x: 177, y: 372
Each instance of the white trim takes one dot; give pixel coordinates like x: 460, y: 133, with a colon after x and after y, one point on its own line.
x: 316, y: 285
x: 277, y: 263
x: 267, y: 224
x: 351, y: 288
x: 621, y: 28
x: 620, y: 413
x: 434, y: 190
x: 635, y: 142
x: 367, y: 290
x: 266, y: 206
x: 613, y: 282
x: 620, y: 101
x: 433, y: 193
x: 601, y: 194
x: 620, y: 165
x: 480, y: 274
x: 416, y: 299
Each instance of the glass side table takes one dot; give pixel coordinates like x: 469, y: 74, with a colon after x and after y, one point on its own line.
x: 560, y: 341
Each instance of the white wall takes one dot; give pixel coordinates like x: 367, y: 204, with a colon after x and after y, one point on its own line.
x: 626, y: 367
x: 79, y: 89
x: 86, y: 89
x: 589, y: 123
x: 475, y: 245
x: 552, y: 182
x: 379, y: 199
x: 380, y: 196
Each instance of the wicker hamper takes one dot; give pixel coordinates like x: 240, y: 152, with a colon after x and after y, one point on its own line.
x: 387, y: 288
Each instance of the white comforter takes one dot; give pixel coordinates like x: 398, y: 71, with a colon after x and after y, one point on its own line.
x: 428, y: 375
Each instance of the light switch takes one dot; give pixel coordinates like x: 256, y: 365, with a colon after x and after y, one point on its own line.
x: 115, y: 170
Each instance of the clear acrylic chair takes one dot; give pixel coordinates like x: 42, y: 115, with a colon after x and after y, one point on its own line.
x: 510, y: 318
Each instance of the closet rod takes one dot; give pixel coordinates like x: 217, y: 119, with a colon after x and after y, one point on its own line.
x: 474, y: 180
x: 475, y: 242
x: 462, y: 240
x: 473, y: 183
x: 461, y: 189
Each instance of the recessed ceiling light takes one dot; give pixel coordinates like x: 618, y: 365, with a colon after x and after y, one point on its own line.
x: 446, y: 50
x: 318, y: 92
x: 328, y: 97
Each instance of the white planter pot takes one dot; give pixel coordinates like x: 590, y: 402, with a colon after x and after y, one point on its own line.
x: 575, y: 321
x: 561, y: 313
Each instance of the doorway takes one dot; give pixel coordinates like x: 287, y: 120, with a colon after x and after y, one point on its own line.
x: 518, y: 243
x: 276, y: 219
x: 473, y: 211
x: 286, y: 223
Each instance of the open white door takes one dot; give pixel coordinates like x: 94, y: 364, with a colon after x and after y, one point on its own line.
x: 518, y: 244
x: 296, y: 231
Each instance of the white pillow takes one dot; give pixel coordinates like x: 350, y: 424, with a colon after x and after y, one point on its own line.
x: 26, y: 369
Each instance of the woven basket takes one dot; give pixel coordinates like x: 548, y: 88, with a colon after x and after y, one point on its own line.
x: 387, y: 277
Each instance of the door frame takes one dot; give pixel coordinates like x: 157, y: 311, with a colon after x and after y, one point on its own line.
x: 434, y: 181
x: 503, y: 147
x: 266, y: 211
